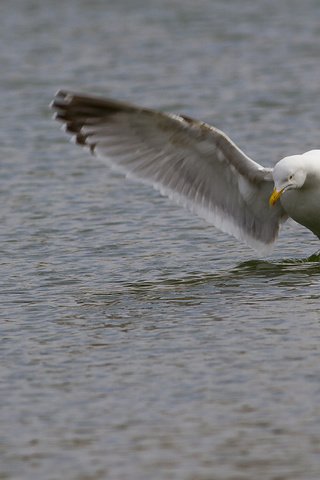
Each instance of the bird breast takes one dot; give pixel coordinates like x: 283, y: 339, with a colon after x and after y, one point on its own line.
x: 303, y: 205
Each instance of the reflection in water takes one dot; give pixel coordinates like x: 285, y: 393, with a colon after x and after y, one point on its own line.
x: 200, y: 289
x: 296, y: 268
x: 308, y: 266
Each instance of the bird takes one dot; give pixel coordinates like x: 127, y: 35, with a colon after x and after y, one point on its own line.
x: 196, y: 165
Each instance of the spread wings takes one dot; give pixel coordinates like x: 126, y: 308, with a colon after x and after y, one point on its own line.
x: 190, y: 161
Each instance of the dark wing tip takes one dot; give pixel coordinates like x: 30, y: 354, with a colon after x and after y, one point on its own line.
x: 76, y: 111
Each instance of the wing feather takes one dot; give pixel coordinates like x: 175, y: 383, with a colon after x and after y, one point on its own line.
x: 192, y: 162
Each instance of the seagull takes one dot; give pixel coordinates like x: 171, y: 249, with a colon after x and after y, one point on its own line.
x: 196, y: 165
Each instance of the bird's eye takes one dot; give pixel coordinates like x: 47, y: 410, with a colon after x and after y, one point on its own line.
x: 291, y: 177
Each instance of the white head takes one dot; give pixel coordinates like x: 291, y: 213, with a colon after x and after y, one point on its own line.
x: 292, y: 172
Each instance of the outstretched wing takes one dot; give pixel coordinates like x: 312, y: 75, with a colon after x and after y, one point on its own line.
x: 187, y: 160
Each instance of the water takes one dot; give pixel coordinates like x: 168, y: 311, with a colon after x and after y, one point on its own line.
x: 138, y: 342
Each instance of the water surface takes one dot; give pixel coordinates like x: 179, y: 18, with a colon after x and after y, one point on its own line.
x: 138, y: 342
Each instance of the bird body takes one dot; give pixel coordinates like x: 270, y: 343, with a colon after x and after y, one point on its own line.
x: 196, y: 165
x: 304, y: 207
x: 298, y: 178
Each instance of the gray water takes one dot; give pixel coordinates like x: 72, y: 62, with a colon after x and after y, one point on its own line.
x: 138, y: 342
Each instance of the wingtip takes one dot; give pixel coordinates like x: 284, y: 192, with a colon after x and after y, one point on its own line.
x: 61, y: 98
x: 61, y: 93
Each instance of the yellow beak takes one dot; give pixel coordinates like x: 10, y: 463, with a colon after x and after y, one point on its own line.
x: 274, y: 197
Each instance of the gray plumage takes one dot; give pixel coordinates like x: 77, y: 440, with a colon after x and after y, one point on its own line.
x: 190, y: 161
